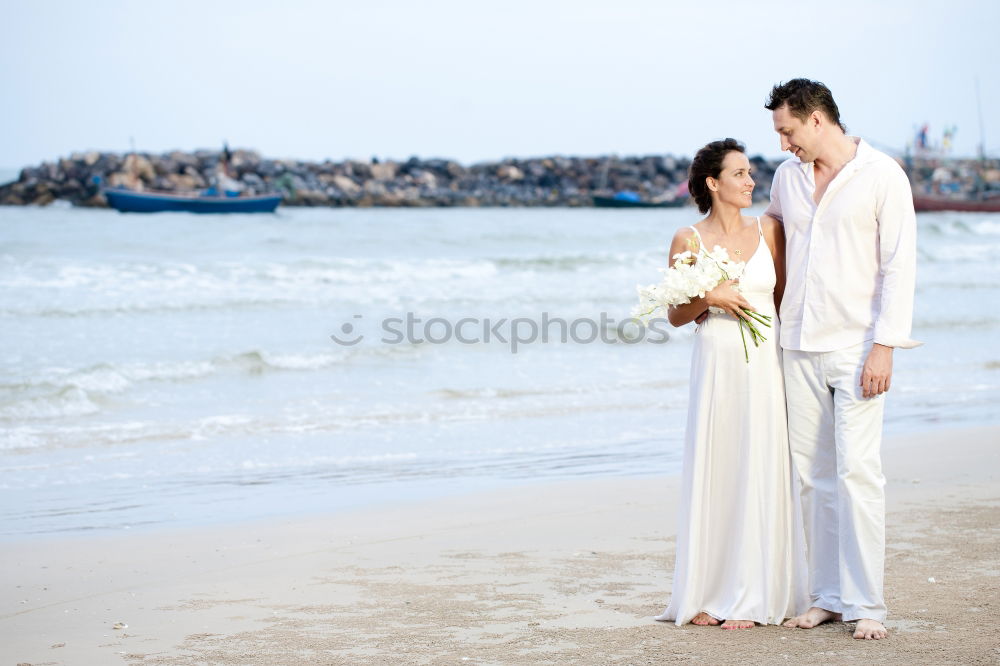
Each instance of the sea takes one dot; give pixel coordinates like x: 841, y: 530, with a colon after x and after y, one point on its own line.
x: 175, y: 370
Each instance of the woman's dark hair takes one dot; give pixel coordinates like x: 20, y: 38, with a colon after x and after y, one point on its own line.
x: 803, y: 97
x: 707, y: 163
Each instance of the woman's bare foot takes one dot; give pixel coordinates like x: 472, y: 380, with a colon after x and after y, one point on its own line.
x: 813, y: 618
x: 870, y: 630
x: 703, y: 619
x: 738, y: 624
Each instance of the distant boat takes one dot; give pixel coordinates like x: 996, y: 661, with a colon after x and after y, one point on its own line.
x: 983, y: 200
x: 626, y: 199
x: 925, y: 203
x: 128, y: 201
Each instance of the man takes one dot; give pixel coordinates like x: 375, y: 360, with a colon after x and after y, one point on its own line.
x: 850, y: 230
x: 225, y: 184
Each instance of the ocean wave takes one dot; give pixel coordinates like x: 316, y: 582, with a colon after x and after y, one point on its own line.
x: 387, y: 298
x: 961, y: 226
x: 578, y: 261
x: 51, y: 288
x: 23, y: 438
x: 221, y: 277
x: 77, y: 310
x: 925, y: 319
x: 105, y: 378
x: 67, y: 401
x: 490, y: 393
x: 262, y: 468
x: 961, y: 285
x: 59, y: 392
x: 958, y: 254
x: 54, y: 393
x: 327, y: 419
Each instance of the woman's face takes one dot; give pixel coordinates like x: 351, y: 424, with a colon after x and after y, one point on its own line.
x: 734, y: 184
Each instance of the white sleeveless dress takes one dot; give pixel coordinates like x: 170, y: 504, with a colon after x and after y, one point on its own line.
x: 740, y: 548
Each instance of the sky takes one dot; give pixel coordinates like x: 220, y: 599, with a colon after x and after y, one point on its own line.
x: 477, y: 81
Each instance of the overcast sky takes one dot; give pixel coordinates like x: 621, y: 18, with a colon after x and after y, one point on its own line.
x: 479, y: 81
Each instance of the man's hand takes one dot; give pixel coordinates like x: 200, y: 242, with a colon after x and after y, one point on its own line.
x: 877, y: 372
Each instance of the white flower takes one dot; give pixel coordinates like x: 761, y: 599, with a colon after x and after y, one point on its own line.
x: 691, y: 276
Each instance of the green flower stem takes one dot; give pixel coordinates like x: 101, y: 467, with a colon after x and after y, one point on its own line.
x: 762, y: 318
x: 746, y: 352
x: 644, y: 314
x: 755, y: 335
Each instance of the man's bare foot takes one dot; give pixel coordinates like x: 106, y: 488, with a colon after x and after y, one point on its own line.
x: 703, y: 619
x: 813, y: 618
x: 870, y: 630
x: 738, y: 624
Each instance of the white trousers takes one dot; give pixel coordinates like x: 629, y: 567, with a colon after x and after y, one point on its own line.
x: 835, y: 436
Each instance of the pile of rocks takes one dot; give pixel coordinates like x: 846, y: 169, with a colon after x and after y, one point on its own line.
x: 545, y: 181
x: 955, y: 178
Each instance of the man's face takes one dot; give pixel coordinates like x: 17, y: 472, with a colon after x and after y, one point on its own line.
x: 796, y: 135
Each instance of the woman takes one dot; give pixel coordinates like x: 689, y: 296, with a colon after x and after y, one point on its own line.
x: 740, y: 557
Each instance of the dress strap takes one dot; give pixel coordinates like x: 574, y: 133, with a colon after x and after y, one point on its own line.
x: 760, y: 230
x: 701, y: 243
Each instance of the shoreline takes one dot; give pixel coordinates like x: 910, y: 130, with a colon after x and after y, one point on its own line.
x: 544, y: 573
x: 383, y: 495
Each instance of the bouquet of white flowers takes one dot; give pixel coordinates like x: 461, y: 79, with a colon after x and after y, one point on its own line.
x: 692, y: 276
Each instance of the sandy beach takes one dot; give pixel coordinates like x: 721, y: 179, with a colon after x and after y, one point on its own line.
x: 539, y: 574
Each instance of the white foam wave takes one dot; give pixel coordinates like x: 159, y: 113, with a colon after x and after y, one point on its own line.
x: 476, y: 405
x: 105, y: 378
x: 223, y: 276
x: 55, y: 289
x: 986, y: 228
x: 965, y: 226
x: 62, y: 392
x: 67, y: 402
x: 958, y: 254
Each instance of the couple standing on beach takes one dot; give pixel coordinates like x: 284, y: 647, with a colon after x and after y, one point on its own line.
x: 782, y: 511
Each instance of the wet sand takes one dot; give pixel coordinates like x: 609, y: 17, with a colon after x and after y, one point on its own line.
x: 539, y: 574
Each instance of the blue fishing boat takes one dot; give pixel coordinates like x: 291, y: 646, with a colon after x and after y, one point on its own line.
x: 619, y: 201
x: 128, y: 201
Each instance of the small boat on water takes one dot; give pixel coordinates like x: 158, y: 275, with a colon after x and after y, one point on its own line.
x: 927, y: 203
x: 129, y: 201
x: 628, y: 199
x: 946, y: 174
x: 611, y: 202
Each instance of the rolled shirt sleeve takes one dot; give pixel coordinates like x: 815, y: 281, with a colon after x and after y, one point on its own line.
x: 897, y: 237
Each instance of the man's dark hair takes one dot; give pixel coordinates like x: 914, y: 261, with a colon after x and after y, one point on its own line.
x: 803, y: 97
x: 707, y: 163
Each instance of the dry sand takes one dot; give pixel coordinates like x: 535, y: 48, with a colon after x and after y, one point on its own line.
x: 542, y: 574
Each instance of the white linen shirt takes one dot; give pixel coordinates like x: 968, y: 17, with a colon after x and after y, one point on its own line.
x: 851, y: 260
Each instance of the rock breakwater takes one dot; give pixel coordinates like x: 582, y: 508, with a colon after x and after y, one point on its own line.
x: 543, y: 181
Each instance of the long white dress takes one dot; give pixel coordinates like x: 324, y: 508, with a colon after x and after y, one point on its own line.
x: 740, y: 551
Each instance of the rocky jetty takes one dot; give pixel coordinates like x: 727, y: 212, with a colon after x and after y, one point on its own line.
x: 544, y: 181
